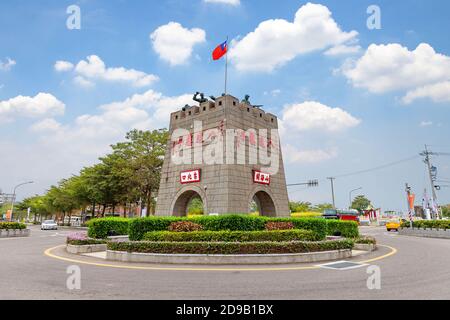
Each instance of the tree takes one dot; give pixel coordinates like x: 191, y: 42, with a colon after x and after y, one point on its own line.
x: 360, y: 203
x: 322, y: 207
x: 299, y: 206
x: 141, y: 159
x: 446, y: 211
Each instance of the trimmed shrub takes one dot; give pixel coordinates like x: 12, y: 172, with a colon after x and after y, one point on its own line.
x: 12, y: 226
x: 232, y: 222
x: 104, y: 227
x: 138, y: 227
x: 279, y: 226
x: 428, y: 224
x: 365, y: 240
x: 232, y: 236
x: 185, y: 226
x: 348, y: 229
x: 229, y: 247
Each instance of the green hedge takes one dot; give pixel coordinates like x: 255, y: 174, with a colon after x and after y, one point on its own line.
x: 138, y: 227
x: 365, y: 240
x: 12, y: 225
x: 229, y: 247
x: 104, y: 227
x: 428, y: 224
x: 232, y: 236
x: 85, y: 242
x: 348, y: 229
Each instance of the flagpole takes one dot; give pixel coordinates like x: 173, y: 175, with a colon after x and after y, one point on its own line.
x: 226, y: 68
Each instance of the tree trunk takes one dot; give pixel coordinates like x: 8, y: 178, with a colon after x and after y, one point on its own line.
x: 103, y: 210
x: 93, y: 209
x: 149, y: 202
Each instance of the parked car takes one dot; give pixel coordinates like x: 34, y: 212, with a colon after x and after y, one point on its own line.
x: 49, y: 225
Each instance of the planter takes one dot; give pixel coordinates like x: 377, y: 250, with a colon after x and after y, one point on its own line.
x: 219, y: 259
x: 427, y: 233
x: 119, y: 238
x: 88, y: 248
x: 13, y: 233
x: 365, y: 246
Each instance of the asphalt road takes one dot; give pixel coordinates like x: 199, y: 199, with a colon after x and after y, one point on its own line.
x: 418, y: 270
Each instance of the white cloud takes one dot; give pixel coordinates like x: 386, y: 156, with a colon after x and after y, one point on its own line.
x: 63, y: 66
x: 230, y: 2
x: 82, y: 82
x: 311, y: 115
x: 274, y: 93
x: 174, y: 43
x: 439, y: 92
x: 392, y: 67
x: 426, y: 124
x: 7, y: 65
x: 93, y: 68
x: 342, y: 50
x: 275, y: 42
x: 46, y: 125
x: 43, y: 104
x: 294, y: 155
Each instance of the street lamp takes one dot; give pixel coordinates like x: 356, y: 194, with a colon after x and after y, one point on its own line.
x: 350, y: 196
x: 14, y: 196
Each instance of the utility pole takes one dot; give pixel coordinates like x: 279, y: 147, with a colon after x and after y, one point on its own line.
x: 427, y: 161
x: 332, y: 190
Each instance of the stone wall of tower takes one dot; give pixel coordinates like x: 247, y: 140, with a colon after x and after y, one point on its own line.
x: 224, y: 188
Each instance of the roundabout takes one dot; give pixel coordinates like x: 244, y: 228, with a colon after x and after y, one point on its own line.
x: 59, y: 253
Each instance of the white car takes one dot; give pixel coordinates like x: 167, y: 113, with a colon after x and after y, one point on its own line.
x: 49, y: 225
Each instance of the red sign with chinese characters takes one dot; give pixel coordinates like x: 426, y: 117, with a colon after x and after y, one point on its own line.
x: 190, y: 176
x: 261, y: 177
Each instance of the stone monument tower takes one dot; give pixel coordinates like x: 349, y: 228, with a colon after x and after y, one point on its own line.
x: 211, y: 155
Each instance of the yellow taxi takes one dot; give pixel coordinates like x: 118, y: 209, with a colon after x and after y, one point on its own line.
x: 393, y: 224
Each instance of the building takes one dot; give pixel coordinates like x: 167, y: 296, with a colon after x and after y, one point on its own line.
x: 218, y: 141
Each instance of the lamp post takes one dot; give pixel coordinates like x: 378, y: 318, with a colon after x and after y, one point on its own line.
x: 350, y: 196
x: 14, y: 196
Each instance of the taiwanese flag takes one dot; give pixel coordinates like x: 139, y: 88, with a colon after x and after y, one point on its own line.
x: 220, y: 51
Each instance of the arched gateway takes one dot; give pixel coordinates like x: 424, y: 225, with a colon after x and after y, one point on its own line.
x: 227, y: 184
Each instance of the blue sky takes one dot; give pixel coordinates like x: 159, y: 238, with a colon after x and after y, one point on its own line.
x: 383, y: 97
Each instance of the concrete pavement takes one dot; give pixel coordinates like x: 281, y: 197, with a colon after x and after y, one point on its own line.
x: 418, y: 270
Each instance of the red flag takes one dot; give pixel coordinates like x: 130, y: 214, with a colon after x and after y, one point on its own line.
x: 220, y: 51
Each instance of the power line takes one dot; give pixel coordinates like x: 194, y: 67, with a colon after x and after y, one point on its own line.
x: 378, y: 167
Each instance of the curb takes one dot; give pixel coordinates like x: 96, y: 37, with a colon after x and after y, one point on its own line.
x: 243, y: 259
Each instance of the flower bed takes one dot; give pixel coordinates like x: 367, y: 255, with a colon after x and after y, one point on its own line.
x: 138, y: 227
x: 228, y: 248
x: 81, y: 239
x: 232, y: 236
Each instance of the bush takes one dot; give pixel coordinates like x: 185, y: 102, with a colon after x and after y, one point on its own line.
x: 229, y: 247
x: 138, y: 227
x: 81, y: 238
x: 232, y: 236
x: 428, y: 224
x: 308, y: 214
x: 104, y: 227
x: 365, y: 240
x: 348, y: 229
x: 232, y: 222
x: 12, y: 225
x: 184, y: 226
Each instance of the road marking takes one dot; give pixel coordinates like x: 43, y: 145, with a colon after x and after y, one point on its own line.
x: 49, y: 253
